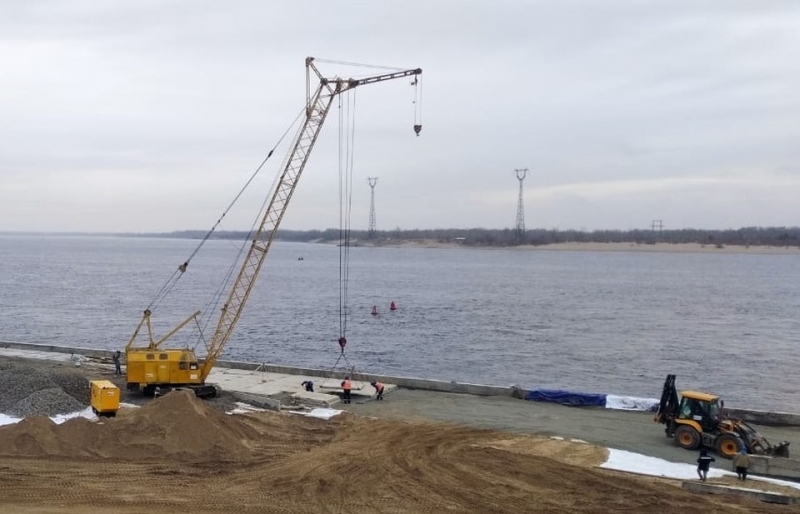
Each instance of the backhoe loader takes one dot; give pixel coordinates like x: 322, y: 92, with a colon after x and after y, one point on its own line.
x: 696, y: 419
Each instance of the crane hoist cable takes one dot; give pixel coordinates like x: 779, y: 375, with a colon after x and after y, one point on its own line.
x: 170, y: 283
x: 417, y: 83
x: 347, y: 108
x: 347, y: 132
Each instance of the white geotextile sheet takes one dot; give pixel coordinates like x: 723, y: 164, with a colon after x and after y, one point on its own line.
x: 630, y: 462
x: 630, y: 403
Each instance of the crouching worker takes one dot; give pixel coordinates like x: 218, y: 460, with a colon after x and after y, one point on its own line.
x: 378, y: 390
x: 308, y: 385
x: 347, y: 386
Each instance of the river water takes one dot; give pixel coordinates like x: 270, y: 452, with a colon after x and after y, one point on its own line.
x: 600, y: 322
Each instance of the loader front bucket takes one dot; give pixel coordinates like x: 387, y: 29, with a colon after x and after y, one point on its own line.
x: 780, y: 450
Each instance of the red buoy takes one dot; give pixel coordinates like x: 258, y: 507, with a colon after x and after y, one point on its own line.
x: 392, y: 306
x: 374, y: 310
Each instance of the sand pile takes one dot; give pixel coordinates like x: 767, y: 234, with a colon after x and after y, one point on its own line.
x: 178, y: 426
x: 28, y: 391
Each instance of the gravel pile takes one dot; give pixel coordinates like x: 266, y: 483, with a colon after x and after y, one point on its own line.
x: 27, y: 391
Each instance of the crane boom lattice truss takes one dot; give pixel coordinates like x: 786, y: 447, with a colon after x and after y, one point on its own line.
x: 318, y: 105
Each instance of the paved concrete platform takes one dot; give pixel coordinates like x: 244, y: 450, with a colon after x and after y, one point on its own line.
x: 327, y: 391
x: 283, y: 387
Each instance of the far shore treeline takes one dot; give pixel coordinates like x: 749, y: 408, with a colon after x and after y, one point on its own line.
x: 748, y: 236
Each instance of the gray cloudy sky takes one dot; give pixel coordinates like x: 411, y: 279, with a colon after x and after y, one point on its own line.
x: 149, y: 115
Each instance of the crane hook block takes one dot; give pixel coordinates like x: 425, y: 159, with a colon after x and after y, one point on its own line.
x: 417, y: 129
x: 342, y: 343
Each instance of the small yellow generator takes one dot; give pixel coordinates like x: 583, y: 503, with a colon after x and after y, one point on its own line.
x: 105, y: 398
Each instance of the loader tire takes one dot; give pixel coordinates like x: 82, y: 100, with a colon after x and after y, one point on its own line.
x: 687, y: 437
x: 728, y: 445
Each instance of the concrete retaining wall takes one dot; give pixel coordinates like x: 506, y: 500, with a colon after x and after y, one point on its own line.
x: 775, y: 467
x: 754, y: 416
x: 764, y: 496
x: 759, y: 417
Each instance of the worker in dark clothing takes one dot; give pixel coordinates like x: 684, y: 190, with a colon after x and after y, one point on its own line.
x: 741, y: 461
x: 347, y: 386
x: 378, y: 389
x: 308, y: 385
x: 703, y: 462
x: 117, y: 365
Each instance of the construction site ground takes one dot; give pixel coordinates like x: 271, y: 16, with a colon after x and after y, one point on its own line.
x: 415, y: 452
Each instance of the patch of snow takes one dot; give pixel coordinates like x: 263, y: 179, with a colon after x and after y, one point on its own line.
x: 320, y: 413
x: 58, y: 419
x: 85, y: 413
x: 244, y: 408
x: 8, y: 420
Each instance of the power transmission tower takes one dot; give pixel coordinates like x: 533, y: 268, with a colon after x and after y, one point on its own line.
x: 658, y: 228
x: 372, y: 181
x: 520, y: 232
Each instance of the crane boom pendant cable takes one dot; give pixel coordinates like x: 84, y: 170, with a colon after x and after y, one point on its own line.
x: 170, y: 283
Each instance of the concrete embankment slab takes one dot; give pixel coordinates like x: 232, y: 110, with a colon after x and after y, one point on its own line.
x: 288, y: 387
x: 764, y: 496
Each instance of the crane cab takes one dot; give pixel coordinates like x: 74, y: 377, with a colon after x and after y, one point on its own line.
x: 147, y: 369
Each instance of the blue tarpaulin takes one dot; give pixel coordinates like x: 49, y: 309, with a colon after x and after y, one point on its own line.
x: 567, y: 397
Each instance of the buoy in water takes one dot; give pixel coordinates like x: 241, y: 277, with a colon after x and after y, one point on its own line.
x: 374, y: 310
x: 392, y: 306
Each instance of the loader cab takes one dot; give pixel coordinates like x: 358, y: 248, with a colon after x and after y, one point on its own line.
x: 702, y: 408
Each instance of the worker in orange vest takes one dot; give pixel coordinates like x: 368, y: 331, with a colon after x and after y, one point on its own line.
x: 346, y: 387
x: 378, y: 390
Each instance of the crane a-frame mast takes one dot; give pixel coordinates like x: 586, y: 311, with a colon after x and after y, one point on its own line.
x: 318, y: 105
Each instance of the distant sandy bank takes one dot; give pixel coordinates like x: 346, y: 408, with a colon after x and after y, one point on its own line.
x: 599, y: 247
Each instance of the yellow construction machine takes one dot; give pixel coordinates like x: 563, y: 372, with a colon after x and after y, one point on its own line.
x: 151, y: 367
x: 696, y: 419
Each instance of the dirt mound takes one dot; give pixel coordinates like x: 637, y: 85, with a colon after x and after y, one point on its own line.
x: 177, y: 426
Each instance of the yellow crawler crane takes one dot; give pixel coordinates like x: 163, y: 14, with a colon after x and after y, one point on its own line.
x: 152, y: 367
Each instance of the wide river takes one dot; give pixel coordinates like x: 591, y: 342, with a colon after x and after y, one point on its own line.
x: 603, y: 322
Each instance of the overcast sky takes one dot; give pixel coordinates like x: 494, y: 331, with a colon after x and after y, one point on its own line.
x: 149, y: 115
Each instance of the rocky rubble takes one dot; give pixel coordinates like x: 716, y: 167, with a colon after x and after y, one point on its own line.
x: 27, y: 391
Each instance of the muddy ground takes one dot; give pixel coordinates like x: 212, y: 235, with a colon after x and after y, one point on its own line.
x: 180, y: 454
